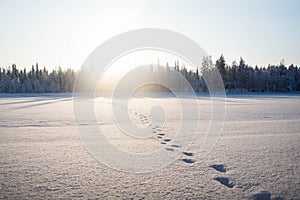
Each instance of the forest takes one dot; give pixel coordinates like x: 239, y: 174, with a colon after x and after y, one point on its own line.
x: 237, y: 77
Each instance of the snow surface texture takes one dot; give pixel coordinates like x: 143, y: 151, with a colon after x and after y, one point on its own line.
x: 256, y: 157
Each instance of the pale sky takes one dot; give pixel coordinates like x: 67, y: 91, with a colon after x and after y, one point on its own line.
x: 63, y: 33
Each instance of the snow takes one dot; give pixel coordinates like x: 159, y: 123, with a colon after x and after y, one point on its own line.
x: 257, y: 154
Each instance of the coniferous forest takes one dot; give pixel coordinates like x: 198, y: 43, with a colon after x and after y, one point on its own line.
x: 237, y: 77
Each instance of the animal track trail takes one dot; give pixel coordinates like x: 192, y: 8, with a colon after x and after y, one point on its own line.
x: 158, y: 131
x: 188, y: 160
x: 161, y: 136
x: 139, y: 117
x: 164, y: 141
x: 144, y: 119
x: 221, y: 179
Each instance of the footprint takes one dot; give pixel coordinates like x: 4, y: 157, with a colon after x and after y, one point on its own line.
x: 188, y: 153
x: 190, y: 161
x: 263, y: 195
x: 219, y: 167
x: 225, y: 181
x: 167, y: 140
x: 169, y: 149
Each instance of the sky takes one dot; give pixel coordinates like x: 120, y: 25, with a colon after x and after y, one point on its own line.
x: 63, y: 33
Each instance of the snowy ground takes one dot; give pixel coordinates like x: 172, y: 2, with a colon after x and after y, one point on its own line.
x: 256, y: 156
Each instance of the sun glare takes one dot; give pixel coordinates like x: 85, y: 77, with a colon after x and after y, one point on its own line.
x: 128, y: 62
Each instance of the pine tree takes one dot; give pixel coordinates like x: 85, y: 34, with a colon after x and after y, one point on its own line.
x: 221, y: 65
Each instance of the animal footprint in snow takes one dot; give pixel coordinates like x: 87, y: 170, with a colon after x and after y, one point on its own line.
x: 169, y: 149
x: 219, y: 167
x: 160, y: 135
x: 188, y: 153
x: 225, y: 181
x: 190, y: 161
x: 263, y: 195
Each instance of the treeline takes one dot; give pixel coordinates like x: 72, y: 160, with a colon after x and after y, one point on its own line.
x: 273, y: 78
x: 237, y: 77
x: 241, y: 77
x: 13, y: 80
